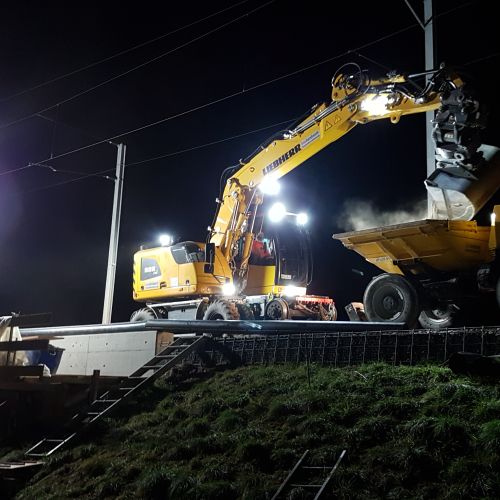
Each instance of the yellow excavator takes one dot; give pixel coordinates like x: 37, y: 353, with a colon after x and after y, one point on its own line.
x: 221, y: 278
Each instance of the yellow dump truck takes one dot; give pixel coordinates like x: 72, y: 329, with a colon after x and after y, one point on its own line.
x: 430, y: 268
x: 433, y: 267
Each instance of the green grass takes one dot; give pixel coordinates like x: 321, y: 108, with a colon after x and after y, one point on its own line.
x: 410, y: 432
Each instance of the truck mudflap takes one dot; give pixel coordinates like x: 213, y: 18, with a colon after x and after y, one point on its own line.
x: 458, y: 193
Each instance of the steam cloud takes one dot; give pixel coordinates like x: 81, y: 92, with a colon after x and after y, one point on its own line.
x: 359, y: 215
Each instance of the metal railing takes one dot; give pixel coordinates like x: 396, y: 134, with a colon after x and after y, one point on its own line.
x: 352, y: 348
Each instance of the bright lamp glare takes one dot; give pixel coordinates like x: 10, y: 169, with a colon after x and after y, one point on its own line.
x: 376, y: 106
x: 165, y: 240
x: 270, y: 186
x: 292, y: 290
x: 277, y: 212
x: 493, y: 217
x: 228, y: 289
x: 302, y: 219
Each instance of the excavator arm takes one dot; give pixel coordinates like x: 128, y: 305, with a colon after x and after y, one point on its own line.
x: 356, y: 99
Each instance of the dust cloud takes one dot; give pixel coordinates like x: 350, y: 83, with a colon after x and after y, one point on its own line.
x: 359, y: 214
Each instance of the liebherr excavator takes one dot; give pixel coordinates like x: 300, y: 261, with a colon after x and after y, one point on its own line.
x: 217, y: 279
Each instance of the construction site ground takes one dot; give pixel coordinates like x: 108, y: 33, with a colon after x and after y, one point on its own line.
x: 218, y: 426
x: 410, y: 432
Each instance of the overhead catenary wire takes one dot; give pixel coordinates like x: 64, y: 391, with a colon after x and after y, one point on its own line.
x: 81, y: 130
x: 101, y: 173
x: 212, y: 143
x: 483, y: 58
x: 135, y: 68
x: 118, y: 54
x: 371, y: 60
x: 230, y: 96
x: 210, y: 103
x: 210, y: 32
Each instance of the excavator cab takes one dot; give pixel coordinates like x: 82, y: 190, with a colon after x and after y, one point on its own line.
x: 283, y: 277
x: 284, y: 262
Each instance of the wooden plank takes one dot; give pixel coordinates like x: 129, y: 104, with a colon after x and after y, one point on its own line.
x: 163, y: 339
x: 20, y: 465
x: 85, y: 379
x: 94, y: 386
x: 30, y: 386
x: 31, y: 320
x: 21, y: 371
x: 25, y: 345
x: 35, y: 337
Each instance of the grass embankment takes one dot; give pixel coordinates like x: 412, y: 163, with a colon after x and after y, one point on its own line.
x: 410, y: 432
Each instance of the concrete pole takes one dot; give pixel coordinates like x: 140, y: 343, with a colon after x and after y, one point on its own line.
x: 113, y: 238
x: 429, y: 116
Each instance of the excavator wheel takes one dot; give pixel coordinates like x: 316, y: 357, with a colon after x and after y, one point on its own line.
x: 202, y: 309
x: 442, y: 316
x: 221, y: 309
x: 245, y: 311
x: 144, y: 314
x: 277, y: 309
x: 391, y: 298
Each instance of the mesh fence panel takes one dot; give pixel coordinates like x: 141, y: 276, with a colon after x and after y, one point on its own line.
x: 353, y: 348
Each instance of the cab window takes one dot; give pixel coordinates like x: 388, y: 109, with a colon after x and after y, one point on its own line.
x: 184, y: 253
x: 194, y: 253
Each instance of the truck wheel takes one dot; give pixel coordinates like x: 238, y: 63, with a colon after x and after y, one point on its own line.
x: 245, y: 311
x: 391, y: 298
x: 221, y: 309
x: 144, y: 314
x: 440, y: 317
x: 277, y: 309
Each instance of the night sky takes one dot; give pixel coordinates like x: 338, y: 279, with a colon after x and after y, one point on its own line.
x: 54, y: 238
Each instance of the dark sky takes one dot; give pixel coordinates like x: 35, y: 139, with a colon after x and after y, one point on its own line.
x: 54, y: 239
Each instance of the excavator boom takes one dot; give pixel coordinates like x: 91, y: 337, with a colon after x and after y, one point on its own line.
x: 203, y: 272
x: 357, y: 99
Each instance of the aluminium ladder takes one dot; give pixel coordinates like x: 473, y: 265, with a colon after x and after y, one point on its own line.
x: 173, y: 354
x: 303, y: 474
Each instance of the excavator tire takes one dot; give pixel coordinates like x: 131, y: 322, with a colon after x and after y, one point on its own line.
x: 391, y: 298
x: 277, y: 309
x: 202, y: 309
x: 245, y: 311
x: 222, y: 310
x: 144, y: 314
x: 440, y: 317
